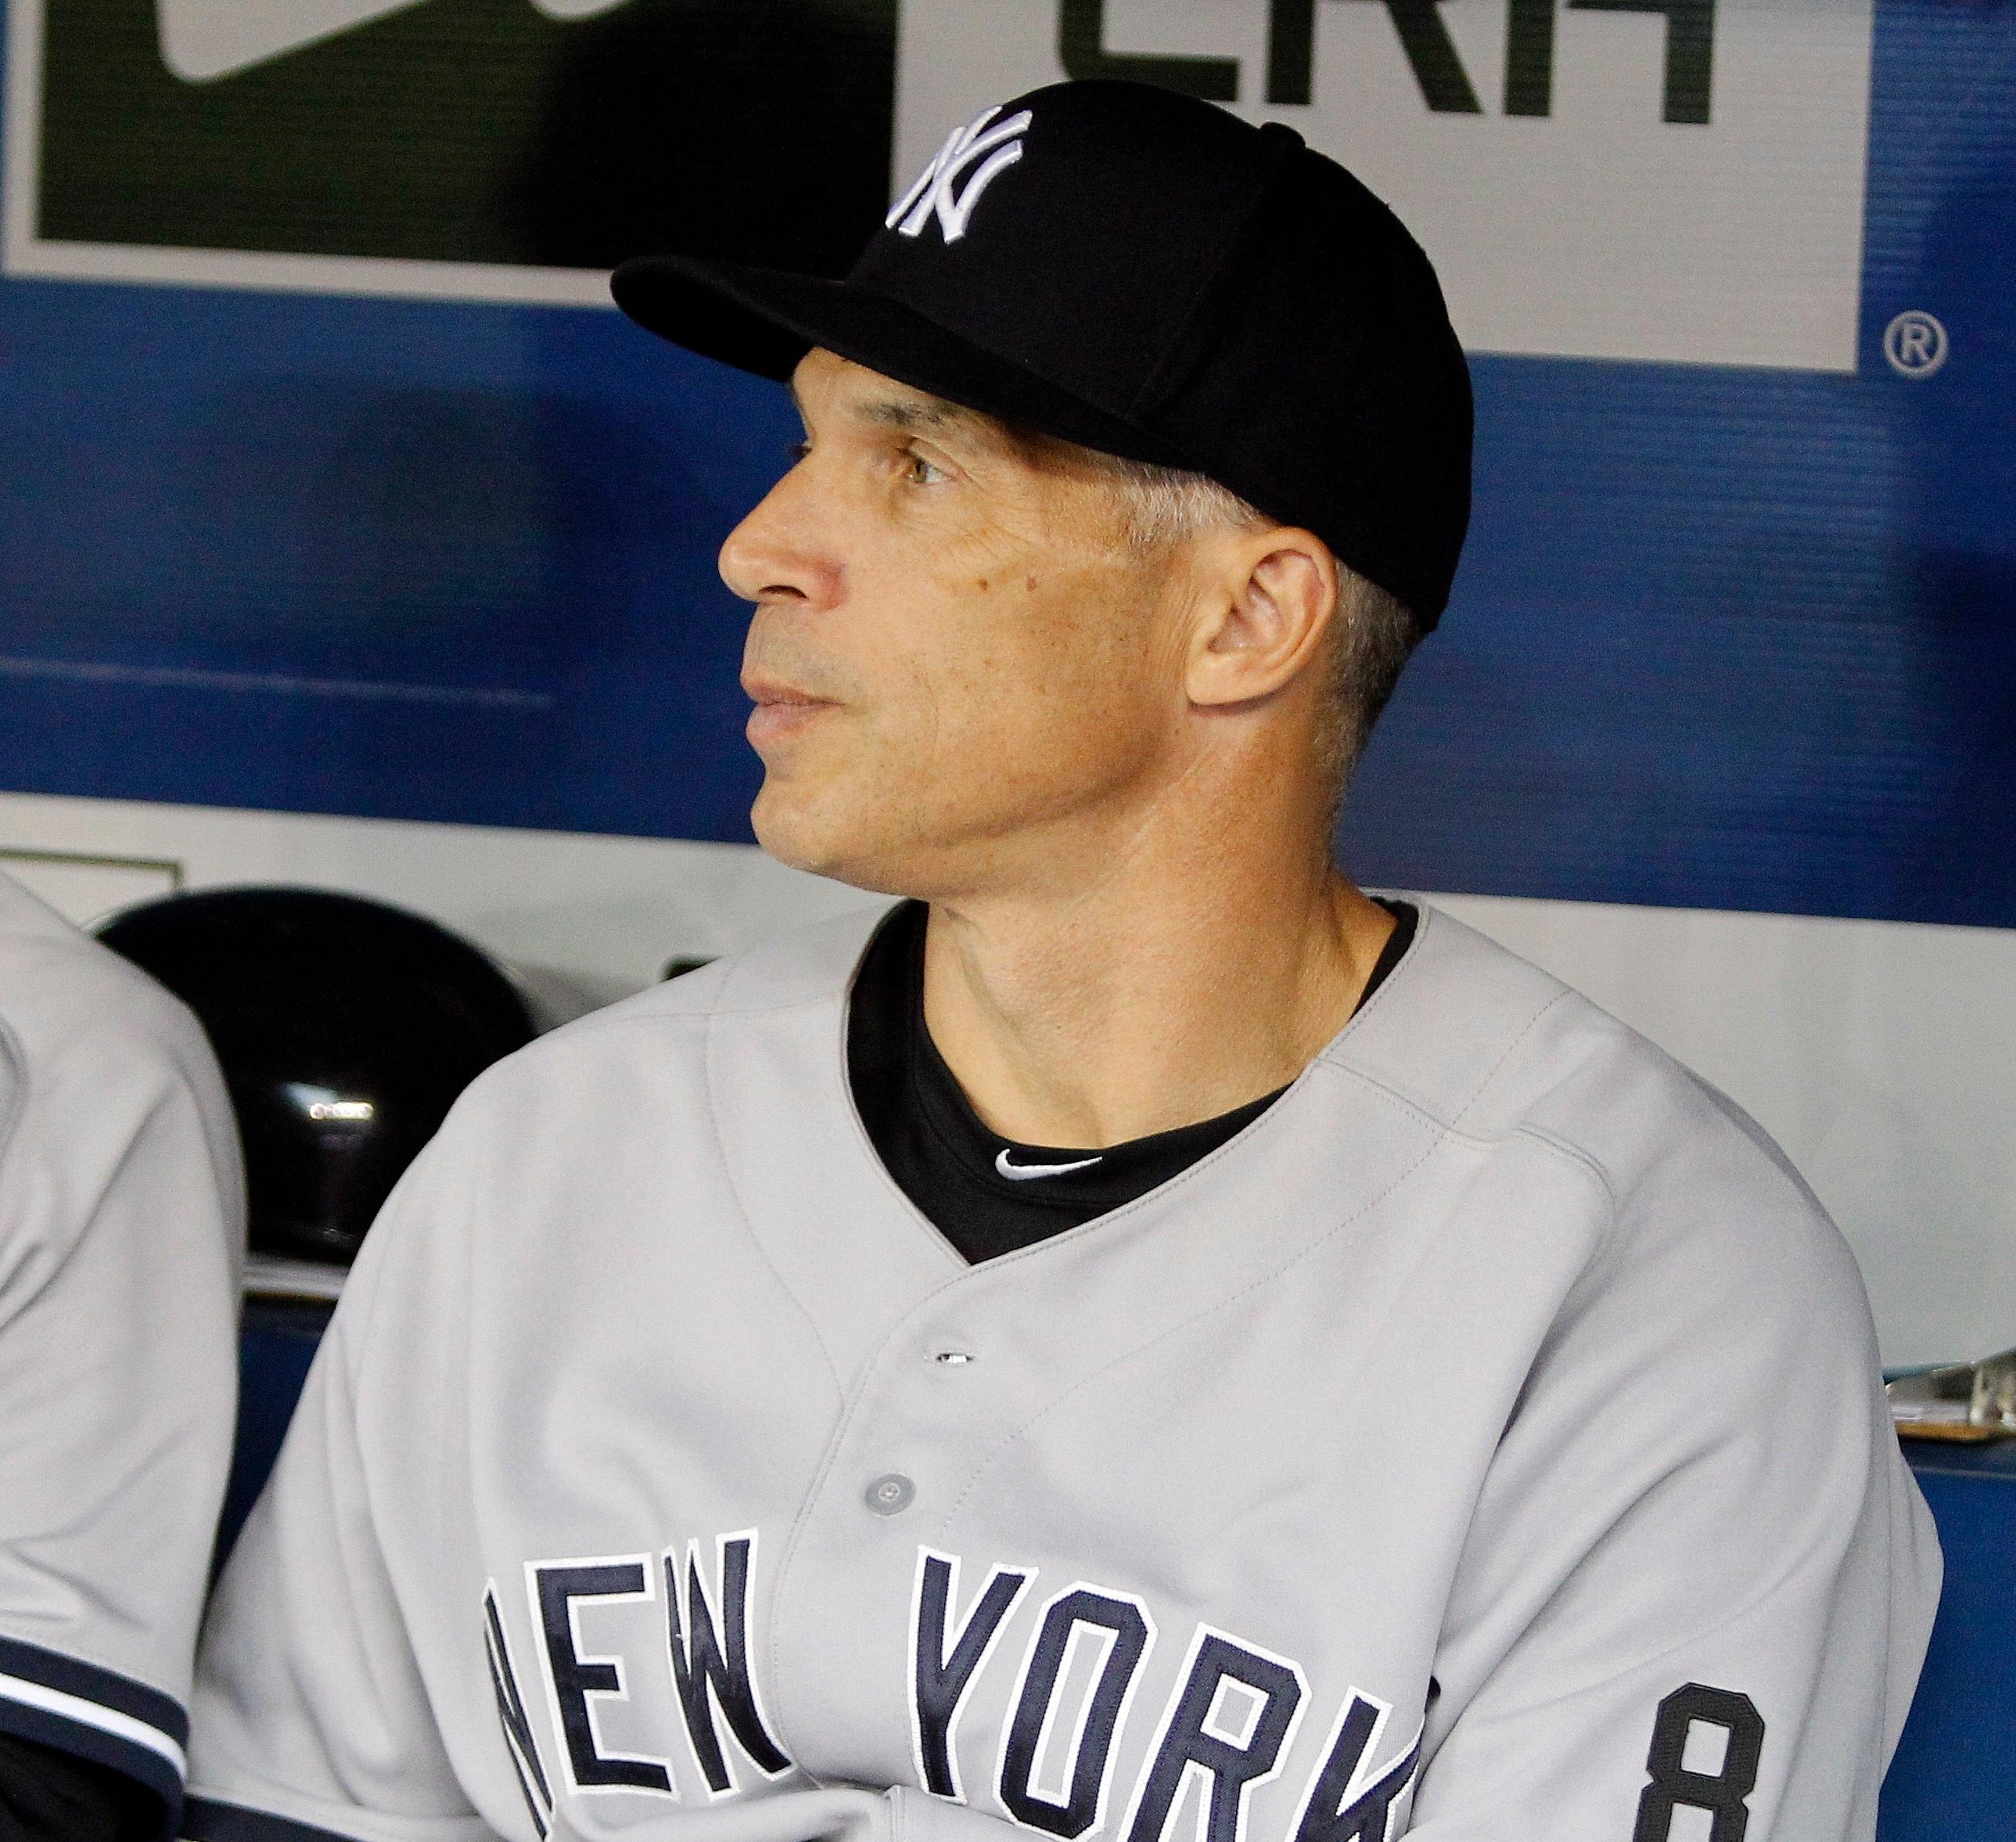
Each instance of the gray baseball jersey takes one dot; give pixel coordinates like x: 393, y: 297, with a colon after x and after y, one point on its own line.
x: 1486, y: 1442
x: 121, y: 1234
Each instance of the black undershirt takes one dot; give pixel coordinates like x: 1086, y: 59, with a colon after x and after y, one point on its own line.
x: 947, y: 1163
x: 47, y: 1796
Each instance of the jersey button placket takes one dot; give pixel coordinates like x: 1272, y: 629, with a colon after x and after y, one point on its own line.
x: 895, y: 1486
x: 893, y: 1493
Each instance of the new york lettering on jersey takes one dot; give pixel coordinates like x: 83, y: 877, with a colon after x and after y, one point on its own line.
x: 1073, y: 1741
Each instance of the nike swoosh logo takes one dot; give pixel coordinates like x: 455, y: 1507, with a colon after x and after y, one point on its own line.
x: 203, y: 40
x: 1023, y: 1173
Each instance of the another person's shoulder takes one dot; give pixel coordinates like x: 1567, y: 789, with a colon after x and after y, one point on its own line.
x: 82, y: 1031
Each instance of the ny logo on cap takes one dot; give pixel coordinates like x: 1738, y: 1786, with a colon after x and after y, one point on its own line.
x: 1002, y: 145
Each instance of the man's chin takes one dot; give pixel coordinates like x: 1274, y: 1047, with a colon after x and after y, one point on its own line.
x: 806, y: 829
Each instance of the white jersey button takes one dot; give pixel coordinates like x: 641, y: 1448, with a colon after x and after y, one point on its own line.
x: 891, y: 1494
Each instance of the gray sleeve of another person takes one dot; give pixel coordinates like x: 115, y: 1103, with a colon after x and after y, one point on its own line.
x: 121, y: 1240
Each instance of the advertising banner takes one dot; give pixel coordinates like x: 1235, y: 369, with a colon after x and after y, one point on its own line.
x: 1733, y: 627
x: 1600, y: 179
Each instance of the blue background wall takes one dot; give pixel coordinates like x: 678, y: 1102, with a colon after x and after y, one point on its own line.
x: 1723, y: 638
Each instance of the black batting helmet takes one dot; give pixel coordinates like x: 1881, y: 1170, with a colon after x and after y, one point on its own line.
x: 345, y: 1028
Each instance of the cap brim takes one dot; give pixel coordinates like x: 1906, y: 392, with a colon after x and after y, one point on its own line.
x: 765, y: 321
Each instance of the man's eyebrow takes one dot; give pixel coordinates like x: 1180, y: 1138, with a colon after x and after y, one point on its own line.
x: 920, y: 412
x: 908, y: 413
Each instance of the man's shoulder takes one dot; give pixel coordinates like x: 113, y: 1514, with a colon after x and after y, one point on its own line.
x: 672, y: 1026
x: 1700, y: 1202
x: 1492, y: 1046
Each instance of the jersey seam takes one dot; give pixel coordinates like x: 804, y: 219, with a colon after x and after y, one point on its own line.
x: 1223, y: 1303
x: 862, y: 1142
x: 548, y: 1049
x: 851, y: 1406
x: 1441, y: 1133
x: 1190, y: 1173
x: 1604, y: 1250
x: 1452, y: 1121
x: 848, y: 1399
x: 1570, y: 1152
x: 595, y: 1026
x: 1497, y: 1068
x: 720, y: 1149
x: 1330, y: 1056
x: 1539, y: 1136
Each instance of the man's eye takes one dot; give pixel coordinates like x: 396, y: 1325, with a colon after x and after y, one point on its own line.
x: 920, y: 472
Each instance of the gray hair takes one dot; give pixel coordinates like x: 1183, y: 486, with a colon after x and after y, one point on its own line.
x: 1377, y: 635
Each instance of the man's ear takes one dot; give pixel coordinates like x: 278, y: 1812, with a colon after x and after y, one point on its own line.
x: 1270, y: 599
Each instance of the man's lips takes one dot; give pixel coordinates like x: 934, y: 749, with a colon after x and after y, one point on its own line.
x: 780, y: 709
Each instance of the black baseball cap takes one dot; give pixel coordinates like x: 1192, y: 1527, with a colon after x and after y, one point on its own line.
x: 1141, y: 273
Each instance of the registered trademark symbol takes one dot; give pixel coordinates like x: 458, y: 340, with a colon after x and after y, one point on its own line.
x: 1915, y: 344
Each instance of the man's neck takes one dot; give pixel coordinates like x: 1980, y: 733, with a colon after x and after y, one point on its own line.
x: 1147, y: 1002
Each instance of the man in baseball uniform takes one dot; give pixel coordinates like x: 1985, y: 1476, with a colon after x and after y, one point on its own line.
x: 1140, y: 1340
x: 121, y: 1232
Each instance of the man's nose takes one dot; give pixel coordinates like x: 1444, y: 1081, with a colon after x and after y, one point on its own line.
x: 779, y: 552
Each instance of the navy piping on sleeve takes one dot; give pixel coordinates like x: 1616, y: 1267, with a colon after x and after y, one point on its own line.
x: 98, y: 1714
x: 205, y: 1820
